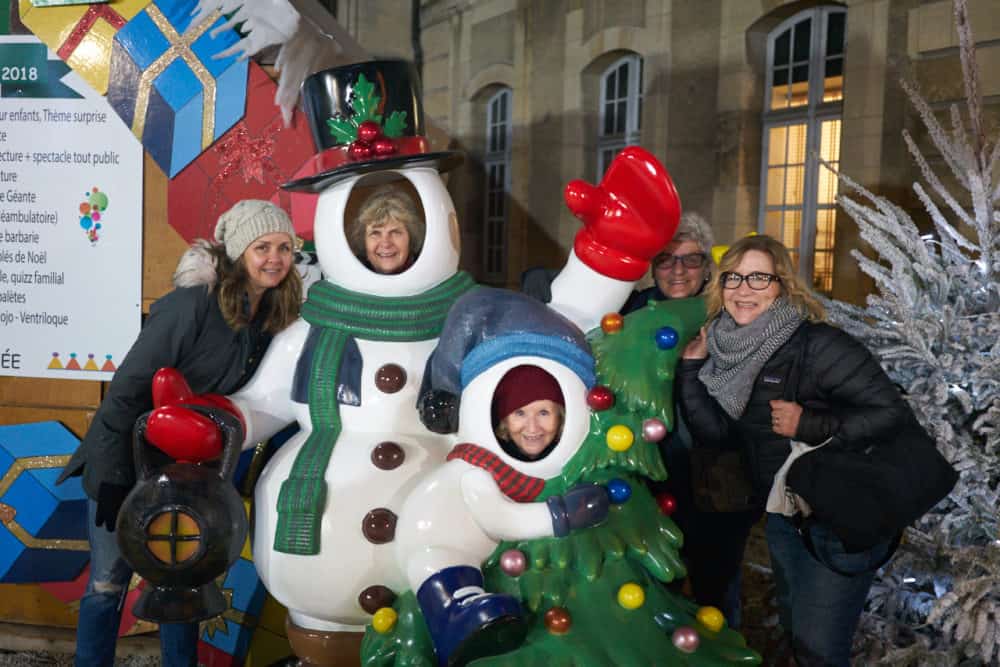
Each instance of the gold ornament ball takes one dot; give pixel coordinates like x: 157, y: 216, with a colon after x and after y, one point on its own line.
x: 620, y: 437
x: 631, y: 596
x: 384, y: 620
x: 711, y: 618
x: 612, y: 323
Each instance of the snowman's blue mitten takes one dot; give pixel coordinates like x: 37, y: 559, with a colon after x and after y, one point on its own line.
x: 583, y: 506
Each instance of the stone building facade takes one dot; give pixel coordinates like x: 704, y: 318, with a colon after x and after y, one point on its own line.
x: 738, y: 98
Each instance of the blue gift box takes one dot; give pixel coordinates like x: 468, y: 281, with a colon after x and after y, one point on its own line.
x: 167, y: 86
x: 44, y: 531
x: 231, y: 632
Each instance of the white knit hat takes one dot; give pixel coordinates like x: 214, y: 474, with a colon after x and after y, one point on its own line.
x: 247, y: 221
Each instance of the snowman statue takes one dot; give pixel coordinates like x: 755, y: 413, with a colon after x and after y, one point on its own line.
x: 350, y: 370
x: 494, y: 346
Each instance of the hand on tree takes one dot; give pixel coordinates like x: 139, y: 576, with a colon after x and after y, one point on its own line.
x: 180, y: 430
x: 583, y: 506
x: 628, y: 218
x: 785, y: 417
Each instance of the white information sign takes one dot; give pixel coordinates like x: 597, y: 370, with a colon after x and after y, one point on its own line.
x: 70, y: 221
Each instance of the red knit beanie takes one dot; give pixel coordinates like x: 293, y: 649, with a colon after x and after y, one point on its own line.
x: 523, y: 385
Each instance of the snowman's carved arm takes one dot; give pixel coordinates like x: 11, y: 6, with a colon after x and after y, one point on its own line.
x: 584, y: 296
x: 500, y: 517
x: 266, y: 400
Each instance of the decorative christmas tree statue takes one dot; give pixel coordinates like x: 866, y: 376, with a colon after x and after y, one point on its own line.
x: 573, y: 594
x: 935, y: 325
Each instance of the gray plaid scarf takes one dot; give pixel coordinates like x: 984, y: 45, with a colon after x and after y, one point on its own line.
x: 737, y: 353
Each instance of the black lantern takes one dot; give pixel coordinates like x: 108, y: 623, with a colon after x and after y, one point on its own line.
x: 183, y: 525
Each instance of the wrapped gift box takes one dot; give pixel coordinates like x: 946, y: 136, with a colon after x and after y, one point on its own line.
x: 81, y: 34
x: 44, y: 533
x: 250, y: 161
x: 167, y: 86
x: 225, y: 639
x: 231, y: 632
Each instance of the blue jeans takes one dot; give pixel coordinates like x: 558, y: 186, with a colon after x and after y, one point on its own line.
x: 818, y: 608
x: 101, y: 608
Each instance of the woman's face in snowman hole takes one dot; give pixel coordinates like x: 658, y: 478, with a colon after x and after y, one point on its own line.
x: 387, y: 246
x: 534, y: 427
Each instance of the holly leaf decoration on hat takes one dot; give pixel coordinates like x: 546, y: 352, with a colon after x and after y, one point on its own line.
x: 365, y: 102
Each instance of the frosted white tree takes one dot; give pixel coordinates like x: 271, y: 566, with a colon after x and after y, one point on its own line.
x: 934, y: 324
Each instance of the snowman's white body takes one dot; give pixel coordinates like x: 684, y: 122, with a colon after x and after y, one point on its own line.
x: 456, y: 514
x: 321, y: 591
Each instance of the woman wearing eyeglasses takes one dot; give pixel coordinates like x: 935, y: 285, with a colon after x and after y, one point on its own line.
x: 682, y: 269
x: 715, y: 528
x: 732, y: 389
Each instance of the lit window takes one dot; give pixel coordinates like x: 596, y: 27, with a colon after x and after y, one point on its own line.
x: 621, y: 109
x: 802, y: 118
x: 497, y: 167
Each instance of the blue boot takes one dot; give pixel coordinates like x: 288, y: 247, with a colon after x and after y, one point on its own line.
x: 465, y: 621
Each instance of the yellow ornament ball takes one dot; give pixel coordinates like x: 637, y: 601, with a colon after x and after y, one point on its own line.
x: 631, y: 596
x: 711, y: 618
x: 620, y: 437
x: 384, y: 620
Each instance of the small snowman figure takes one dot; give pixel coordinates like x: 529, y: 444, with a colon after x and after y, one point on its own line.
x: 521, y: 372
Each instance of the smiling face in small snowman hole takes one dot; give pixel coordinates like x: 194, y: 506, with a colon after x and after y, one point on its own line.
x: 388, y: 231
x: 528, y: 413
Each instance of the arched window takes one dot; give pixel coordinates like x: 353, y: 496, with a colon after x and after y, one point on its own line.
x: 802, y: 117
x: 621, y: 109
x: 496, y: 162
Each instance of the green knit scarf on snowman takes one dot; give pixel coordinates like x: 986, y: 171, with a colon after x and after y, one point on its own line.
x: 340, y: 314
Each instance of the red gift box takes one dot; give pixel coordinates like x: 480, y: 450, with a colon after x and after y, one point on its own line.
x: 250, y: 161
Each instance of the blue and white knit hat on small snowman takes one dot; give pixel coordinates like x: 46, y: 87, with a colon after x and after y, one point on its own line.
x: 487, y: 326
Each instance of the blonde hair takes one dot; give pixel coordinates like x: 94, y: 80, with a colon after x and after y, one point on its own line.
x: 384, y: 204
x: 793, y: 288
x: 280, y: 304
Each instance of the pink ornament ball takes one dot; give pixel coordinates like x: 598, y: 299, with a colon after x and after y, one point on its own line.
x: 686, y: 639
x: 653, y: 430
x: 513, y: 562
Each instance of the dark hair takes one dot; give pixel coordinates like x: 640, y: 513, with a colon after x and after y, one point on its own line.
x: 280, y: 304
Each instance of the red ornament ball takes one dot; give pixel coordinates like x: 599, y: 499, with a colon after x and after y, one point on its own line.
x: 359, y: 151
x: 600, y: 398
x: 667, y: 503
x: 612, y: 323
x: 368, y: 131
x: 558, y: 620
x: 384, y: 146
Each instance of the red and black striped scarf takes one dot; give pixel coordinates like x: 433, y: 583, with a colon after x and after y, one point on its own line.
x: 516, y: 485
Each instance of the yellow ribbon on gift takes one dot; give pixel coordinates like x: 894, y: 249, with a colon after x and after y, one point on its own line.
x: 180, y: 47
x: 7, y: 513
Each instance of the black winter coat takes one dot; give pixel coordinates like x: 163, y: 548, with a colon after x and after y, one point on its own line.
x: 844, y: 392
x: 185, y: 330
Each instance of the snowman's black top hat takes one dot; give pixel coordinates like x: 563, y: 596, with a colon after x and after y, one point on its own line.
x: 366, y: 117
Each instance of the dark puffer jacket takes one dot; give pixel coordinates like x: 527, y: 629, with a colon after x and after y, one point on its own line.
x: 185, y: 330
x: 844, y: 392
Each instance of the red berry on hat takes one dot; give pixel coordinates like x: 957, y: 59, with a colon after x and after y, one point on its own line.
x: 359, y: 151
x: 384, y: 146
x: 368, y: 132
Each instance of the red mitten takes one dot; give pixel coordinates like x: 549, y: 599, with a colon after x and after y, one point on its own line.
x: 628, y: 218
x: 183, y: 433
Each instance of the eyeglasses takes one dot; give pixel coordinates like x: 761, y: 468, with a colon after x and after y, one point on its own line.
x: 755, y: 281
x: 694, y: 260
